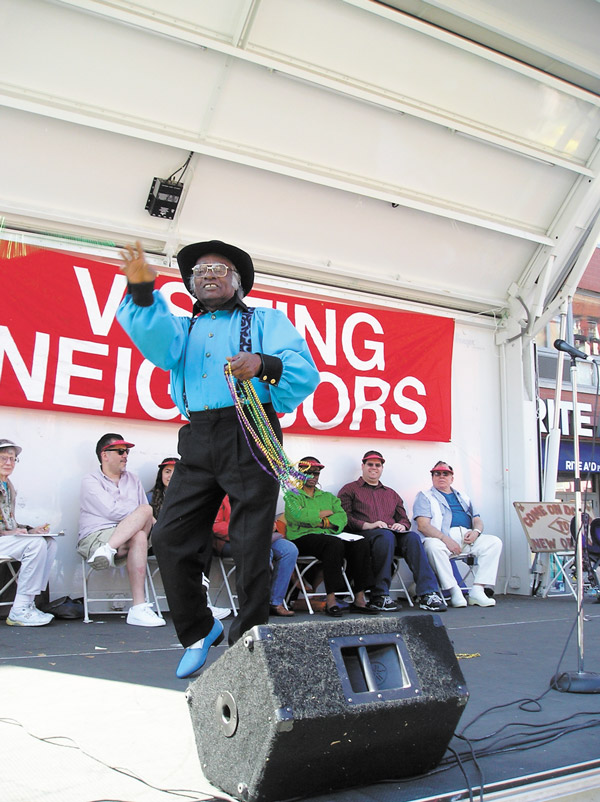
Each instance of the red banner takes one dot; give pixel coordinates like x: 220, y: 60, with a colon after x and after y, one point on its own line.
x: 384, y: 373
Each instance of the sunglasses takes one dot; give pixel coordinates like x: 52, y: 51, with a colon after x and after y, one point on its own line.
x: 119, y: 451
x: 441, y: 473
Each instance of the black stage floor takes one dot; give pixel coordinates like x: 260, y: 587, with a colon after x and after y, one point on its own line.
x: 507, y: 654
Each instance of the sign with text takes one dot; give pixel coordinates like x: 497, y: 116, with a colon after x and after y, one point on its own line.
x: 547, y: 524
x: 384, y: 373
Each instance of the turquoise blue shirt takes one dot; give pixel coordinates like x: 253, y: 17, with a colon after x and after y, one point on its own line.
x: 167, y: 341
x: 459, y: 516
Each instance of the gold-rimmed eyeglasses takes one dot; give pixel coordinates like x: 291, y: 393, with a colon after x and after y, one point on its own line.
x: 217, y: 269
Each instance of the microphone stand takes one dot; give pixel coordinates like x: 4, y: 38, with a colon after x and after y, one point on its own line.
x: 579, y: 681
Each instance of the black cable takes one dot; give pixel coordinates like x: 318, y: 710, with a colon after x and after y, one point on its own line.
x: 546, y: 732
x: 195, y: 796
x: 458, y: 758
x: 464, y: 773
x: 536, y: 707
x: 532, y: 725
x: 541, y: 739
x: 479, y: 770
x: 183, y: 167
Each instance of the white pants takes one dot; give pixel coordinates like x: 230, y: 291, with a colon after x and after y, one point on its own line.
x: 36, y: 555
x: 487, y: 549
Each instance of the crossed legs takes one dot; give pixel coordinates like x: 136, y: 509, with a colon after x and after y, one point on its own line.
x: 130, y: 539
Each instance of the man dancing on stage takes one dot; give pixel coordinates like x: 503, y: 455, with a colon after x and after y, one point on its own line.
x: 216, y: 459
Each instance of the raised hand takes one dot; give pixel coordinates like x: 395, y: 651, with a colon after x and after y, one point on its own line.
x: 134, y: 264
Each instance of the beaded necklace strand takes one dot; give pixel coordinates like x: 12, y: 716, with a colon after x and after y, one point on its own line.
x: 250, y: 411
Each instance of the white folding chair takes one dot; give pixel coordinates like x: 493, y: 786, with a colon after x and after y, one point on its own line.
x: 467, y: 561
x: 12, y: 580
x: 154, y: 571
x: 227, y: 566
x: 400, y: 584
x: 560, y: 565
x: 117, y: 600
x: 303, y: 565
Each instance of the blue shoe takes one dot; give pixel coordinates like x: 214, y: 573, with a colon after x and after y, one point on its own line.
x: 194, y: 659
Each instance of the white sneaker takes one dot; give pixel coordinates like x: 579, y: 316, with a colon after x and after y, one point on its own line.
x: 142, y: 615
x: 456, y: 597
x: 219, y: 612
x: 103, y: 557
x: 477, y: 596
x: 28, y: 616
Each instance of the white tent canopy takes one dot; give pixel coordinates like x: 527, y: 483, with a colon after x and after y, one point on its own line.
x: 327, y: 135
x: 432, y: 154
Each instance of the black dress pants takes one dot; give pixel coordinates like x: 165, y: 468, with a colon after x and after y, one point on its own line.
x: 216, y: 461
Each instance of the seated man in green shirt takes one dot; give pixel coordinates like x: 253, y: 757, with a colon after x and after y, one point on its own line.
x: 314, y: 518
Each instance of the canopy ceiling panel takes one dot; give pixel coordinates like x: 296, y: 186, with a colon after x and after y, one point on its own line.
x: 66, y: 175
x: 327, y: 135
x: 398, y: 156
x: 427, y: 74
x: 226, y: 199
x: 558, y: 37
x: 382, y: 249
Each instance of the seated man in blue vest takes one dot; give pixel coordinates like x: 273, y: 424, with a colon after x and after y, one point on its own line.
x: 449, y: 525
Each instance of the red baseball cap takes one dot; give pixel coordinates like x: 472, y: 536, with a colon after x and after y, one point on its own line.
x: 373, y: 455
x: 442, y: 466
x: 169, y: 461
x: 117, y: 444
x: 309, y: 462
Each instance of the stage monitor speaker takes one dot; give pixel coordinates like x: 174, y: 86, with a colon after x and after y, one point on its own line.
x: 297, y: 709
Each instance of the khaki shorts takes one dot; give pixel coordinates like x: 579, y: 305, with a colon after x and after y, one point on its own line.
x: 88, y: 544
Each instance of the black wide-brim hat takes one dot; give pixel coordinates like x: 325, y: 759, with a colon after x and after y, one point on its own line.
x: 188, y: 256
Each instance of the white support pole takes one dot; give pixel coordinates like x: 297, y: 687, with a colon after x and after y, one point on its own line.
x: 553, y: 439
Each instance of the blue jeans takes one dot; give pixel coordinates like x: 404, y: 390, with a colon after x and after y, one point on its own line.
x: 382, y: 543
x: 283, y: 557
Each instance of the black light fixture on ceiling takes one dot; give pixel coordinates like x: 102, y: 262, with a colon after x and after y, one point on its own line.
x: 165, y: 193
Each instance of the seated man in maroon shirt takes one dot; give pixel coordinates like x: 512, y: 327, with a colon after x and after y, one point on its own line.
x: 377, y: 512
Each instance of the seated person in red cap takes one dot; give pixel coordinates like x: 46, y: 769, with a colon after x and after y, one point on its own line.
x: 449, y: 525
x: 377, y: 512
x: 163, y: 477
x: 314, y: 518
x: 115, y: 521
x: 252, y: 344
